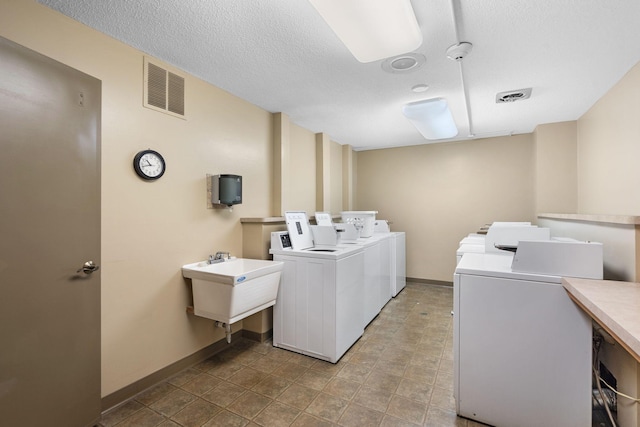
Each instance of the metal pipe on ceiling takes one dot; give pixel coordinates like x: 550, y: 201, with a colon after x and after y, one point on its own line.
x: 457, y: 53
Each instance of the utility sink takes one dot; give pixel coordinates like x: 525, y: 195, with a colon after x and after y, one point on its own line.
x: 234, y: 289
x: 232, y: 271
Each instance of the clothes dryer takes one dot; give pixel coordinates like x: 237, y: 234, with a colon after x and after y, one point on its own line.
x: 522, y: 348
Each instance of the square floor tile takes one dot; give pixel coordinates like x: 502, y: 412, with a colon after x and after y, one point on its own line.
x: 342, y: 388
x: 196, y: 413
x: 173, y: 402
x: 298, y: 396
x: 271, y: 386
x: 247, y: 377
x: 226, y: 419
x: 277, y: 415
x: 249, y: 404
x: 327, y: 407
x: 407, y: 409
x: 224, y: 393
x: 373, y: 398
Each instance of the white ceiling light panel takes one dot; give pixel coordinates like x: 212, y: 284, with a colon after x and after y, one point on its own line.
x: 432, y: 118
x: 372, y: 29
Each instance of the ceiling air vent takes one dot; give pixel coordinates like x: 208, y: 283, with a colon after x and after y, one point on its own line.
x: 163, y: 89
x: 513, y: 95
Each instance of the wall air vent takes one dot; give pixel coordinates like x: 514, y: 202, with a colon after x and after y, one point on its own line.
x: 513, y: 95
x: 163, y: 90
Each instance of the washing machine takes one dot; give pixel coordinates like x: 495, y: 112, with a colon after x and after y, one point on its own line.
x: 377, y: 272
x: 319, y: 310
x: 398, y: 255
x: 398, y: 262
x: 522, y: 348
x: 501, y: 234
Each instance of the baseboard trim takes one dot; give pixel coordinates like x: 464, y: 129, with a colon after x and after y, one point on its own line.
x: 257, y: 336
x: 429, y: 281
x: 126, y: 393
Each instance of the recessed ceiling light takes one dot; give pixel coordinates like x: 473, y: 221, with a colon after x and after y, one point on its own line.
x: 420, y: 88
x: 404, y: 63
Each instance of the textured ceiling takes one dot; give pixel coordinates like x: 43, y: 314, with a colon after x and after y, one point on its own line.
x: 281, y: 56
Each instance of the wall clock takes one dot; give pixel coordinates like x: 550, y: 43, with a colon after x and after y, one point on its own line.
x: 149, y: 165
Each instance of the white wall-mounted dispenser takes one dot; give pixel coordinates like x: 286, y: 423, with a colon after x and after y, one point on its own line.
x: 226, y: 190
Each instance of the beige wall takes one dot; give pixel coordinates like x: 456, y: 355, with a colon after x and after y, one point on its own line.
x: 439, y: 193
x: 302, y: 182
x: 556, y: 175
x: 609, y: 149
x: 608, y: 138
x: 349, y: 171
x: 149, y: 230
x: 335, y: 180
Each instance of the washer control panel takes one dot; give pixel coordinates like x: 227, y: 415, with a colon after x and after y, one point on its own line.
x: 280, y: 240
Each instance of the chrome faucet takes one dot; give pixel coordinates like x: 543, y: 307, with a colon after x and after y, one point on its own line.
x: 218, y: 257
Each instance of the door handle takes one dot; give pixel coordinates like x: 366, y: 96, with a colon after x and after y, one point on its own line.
x: 88, y: 267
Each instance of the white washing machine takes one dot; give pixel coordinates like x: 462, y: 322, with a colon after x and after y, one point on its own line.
x: 398, y: 262
x: 319, y: 310
x: 502, y: 234
x: 473, y: 239
x: 398, y: 255
x: 468, y: 248
x: 522, y: 348
x: 377, y: 272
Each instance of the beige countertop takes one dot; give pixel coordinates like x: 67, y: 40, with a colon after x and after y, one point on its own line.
x: 613, y: 305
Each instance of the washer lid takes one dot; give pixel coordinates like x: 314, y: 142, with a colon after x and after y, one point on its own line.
x: 498, y: 265
x: 299, y: 230
x: 319, y: 252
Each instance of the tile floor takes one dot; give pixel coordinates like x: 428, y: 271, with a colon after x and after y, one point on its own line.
x: 398, y: 374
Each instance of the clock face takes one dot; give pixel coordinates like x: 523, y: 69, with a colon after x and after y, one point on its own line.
x: 149, y: 164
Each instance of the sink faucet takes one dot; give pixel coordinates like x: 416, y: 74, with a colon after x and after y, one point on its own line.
x: 218, y: 257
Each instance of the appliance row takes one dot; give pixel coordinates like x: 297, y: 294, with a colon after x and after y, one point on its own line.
x: 336, y: 278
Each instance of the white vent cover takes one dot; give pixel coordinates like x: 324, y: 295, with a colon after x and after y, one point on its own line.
x: 163, y: 90
x: 513, y: 95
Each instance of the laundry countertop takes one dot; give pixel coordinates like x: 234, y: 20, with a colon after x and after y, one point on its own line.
x: 613, y: 305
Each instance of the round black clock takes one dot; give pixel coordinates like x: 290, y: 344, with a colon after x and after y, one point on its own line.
x: 149, y: 165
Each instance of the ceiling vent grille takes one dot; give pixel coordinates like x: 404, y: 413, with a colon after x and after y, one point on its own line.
x: 513, y: 95
x: 163, y: 90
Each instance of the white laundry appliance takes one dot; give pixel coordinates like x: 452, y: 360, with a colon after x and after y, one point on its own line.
x: 473, y: 243
x: 473, y: 239
x: 503, y: 234
x: 522, y: 348
x: 398, y: 255
x: 377, y: 272
x: 319, y: 310
x: 398, y: 262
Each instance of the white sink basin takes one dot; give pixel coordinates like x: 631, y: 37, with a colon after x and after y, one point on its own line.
x: 232, y: 272
x: 234, y: 289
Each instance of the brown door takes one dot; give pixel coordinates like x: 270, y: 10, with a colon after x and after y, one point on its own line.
x: 49, y: 227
